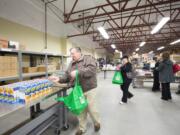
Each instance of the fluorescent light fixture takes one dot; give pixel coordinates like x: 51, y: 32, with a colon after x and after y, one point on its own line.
x: 175, y: 42
x: 137, y: 49
x: 103, y: 32
x: 150, y: 52
x: 163, y: 21
x: 160, y: 48
x: 116, y: 51
x: 142, y: 44
x: 113, y: 46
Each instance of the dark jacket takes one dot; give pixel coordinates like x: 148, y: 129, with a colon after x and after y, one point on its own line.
x: 156, y: 72
x: 87, y: 73
x: 127, y: 68
x: 165, y: 69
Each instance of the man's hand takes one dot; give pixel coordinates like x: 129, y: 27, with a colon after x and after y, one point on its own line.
x: 54, y: 79
x: 73, y: 74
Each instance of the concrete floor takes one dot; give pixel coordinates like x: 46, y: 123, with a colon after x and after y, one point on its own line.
x: 145, y: 113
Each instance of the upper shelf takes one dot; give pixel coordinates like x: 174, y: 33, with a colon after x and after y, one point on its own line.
x: 26, y: 75
x: 8, y: 78
x: 8, y: 50
x: 31, y: 53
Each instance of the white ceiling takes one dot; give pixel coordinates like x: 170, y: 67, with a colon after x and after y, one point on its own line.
x: 31, y: 13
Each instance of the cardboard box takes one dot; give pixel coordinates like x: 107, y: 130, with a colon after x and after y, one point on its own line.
x: 13, y: 66
x: 14, y: 72
x: 6, y: 73
x: 29, y: 69
x: 6, y: 62
x: 41, y: 69
x: 3, y: 43
x: 1, y: 73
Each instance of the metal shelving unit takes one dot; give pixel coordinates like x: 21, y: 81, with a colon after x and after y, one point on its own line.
x: 20, y: 54
x: 9, y: 78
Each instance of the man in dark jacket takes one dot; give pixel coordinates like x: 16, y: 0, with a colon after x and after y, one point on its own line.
x: 86, y: 66
x: 166, y: 75
x: 126, y: 71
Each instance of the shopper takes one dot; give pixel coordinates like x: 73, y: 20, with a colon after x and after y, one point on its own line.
x: 87, y: 72
x: 166, y: 75
x: 156, y: 84
x: 126, y: 70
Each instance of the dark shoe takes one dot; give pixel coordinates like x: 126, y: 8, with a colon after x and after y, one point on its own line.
x: 178, y: 92
x: 164, y: 98
x: 169, y: 98
x: 79, y: 132
x: 97, y: 127
x: 130, y: 96
x: 154, y: 90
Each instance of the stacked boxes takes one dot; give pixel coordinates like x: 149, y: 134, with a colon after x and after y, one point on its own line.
x: 29, y: 69
x: 9, y: 66
x: 24, y: 92
x: 41, y: 68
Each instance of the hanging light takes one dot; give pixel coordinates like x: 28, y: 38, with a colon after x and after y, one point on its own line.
x: 175, y: 42
x: 151, y: 52
x: 160, y: 48
x: 137, y: 49
x: 113, y: 46
x: 142, y: 44
x: 116, y: 51
x: 163, y: 21
x: 103, y: 32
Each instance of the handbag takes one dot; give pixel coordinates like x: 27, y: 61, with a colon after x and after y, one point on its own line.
x: 75, y: 101
x: 117, y: 78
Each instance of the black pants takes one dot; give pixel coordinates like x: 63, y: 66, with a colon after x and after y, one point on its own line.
x: 126, y: 93
x: 166, y: 93
x: 156, y: 84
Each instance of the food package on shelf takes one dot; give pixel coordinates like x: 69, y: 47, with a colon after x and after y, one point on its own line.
x: 25, y: 91
x: 3, y: 43
x: 30, y: 69
x: 13, y: 45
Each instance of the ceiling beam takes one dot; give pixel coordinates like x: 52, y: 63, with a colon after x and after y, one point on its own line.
x: 137, y: 13
x: 111, y: 29
x: 162, y: 15
x: 91, y: 21
x: 113, y: 12
x: 67, y: 17
x: 115, y: 9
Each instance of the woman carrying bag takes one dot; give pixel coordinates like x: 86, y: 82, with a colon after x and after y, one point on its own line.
x: 126, y: 70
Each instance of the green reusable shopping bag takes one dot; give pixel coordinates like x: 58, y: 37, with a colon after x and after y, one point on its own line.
x: 75, y: 101
x: 117, y: 78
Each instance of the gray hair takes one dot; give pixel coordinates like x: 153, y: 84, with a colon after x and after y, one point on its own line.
x: 78, y: 49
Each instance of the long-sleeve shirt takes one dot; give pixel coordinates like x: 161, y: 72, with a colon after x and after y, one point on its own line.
x: 124, y: 70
